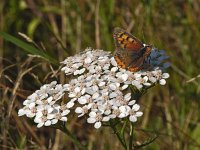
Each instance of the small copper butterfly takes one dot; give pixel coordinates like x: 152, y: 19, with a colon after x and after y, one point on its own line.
x: 130, y: 52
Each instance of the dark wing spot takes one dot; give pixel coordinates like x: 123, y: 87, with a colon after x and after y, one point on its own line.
x: 120, y: 35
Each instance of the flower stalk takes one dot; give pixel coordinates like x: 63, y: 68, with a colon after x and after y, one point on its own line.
x: 131, y: 136
x: 76, y: 142
x: 120, y: 135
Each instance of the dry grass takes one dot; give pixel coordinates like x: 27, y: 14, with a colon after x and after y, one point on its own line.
x: 62, y: 28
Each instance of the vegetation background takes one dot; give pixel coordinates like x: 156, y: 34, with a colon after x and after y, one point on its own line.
x: 65, y: 27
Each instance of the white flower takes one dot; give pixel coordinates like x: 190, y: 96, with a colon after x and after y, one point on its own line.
x: 121, y: 100
x: 115, y: 112
x: 96, y: 118
x: 41, y: 105
x: 124, y: 111
x: 41, y: 121
x: 81, y: 71
x: 134, y: 113
x: 84, y: 99
x: 162, y: 82
x: 140, y: 82
x: 59, y: 113
x: 83, y: 110
x: 164, y: 76
x: 78, y: 91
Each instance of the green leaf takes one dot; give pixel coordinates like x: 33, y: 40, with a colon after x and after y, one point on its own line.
x: 147, y: 142
x: 195, y: 134
x: 33, y: 25
x: 28, y: 48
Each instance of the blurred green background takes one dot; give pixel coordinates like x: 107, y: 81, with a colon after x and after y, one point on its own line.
x: 65, y: 27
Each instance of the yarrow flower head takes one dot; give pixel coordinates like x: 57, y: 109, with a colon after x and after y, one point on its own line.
x: 102, y: 89
x: 41, y: 105
x: 99, y: 89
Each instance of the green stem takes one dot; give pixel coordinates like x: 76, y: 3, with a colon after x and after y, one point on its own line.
x: 147, y: 142
x: 123, y: 129
x: 72, y: 136
x: 131, y: 136
x: 120, y: 138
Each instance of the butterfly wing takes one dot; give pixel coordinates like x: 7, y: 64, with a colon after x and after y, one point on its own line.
x: 130, y: 52
x: 125, y: 41
x: 138, y: 60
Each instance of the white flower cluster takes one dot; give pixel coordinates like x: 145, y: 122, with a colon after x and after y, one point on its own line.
x: 42, y: 105
x: 99, y: 90
x: 102, y: 64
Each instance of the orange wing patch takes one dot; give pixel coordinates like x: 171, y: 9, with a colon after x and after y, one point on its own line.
x: 119, y: 62
x: 126, y: 41
x: 134, y: 69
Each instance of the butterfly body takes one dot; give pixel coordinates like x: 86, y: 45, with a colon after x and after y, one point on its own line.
x: 130, y: 52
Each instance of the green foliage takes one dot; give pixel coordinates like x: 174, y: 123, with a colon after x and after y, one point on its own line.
x: 62, y: 28
x: 28, y: 48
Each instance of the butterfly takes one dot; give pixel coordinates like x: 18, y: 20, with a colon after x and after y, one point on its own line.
x: 130, y: 52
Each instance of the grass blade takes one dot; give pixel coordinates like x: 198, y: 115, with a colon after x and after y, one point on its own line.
x: 28, y: 48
